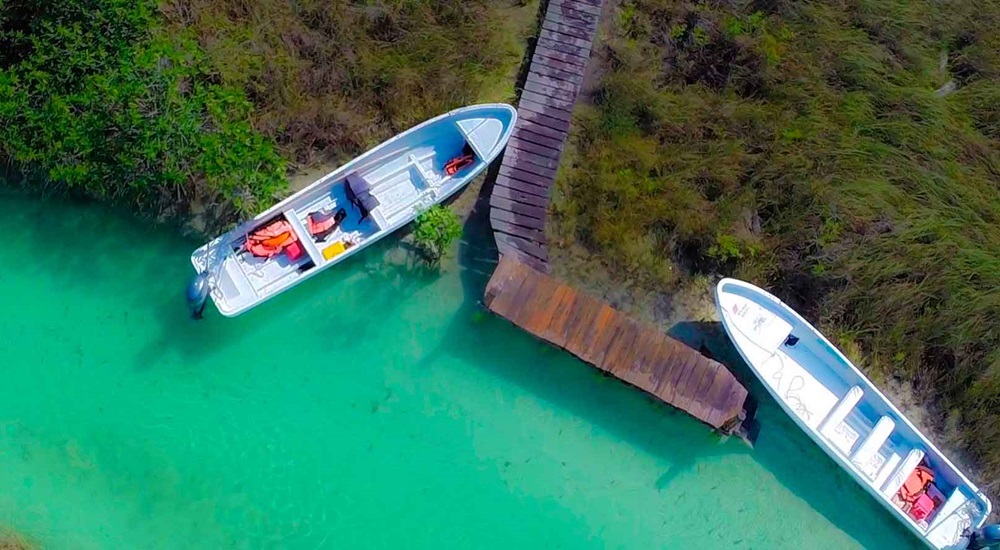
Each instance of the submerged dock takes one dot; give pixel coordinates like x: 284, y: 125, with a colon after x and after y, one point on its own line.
x: 635, y: 352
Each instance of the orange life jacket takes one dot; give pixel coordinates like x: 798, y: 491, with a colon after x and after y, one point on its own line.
x: 916, y: 484
x: 454, y: 165
x: 270, y: 240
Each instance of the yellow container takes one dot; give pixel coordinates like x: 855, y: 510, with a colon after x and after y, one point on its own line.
x: 334, y: 250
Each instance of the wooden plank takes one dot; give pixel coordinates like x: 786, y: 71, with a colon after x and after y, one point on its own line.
x: 703, y: 391
x: 577, y: 5
x: 546, y: 307
x: 720, y: 391
x: 556, y: 15
x: 522, y: 301
x: 501, y: 226
x: 551, y: 71
x: 685, y: 362
x: 498, y: 282
x: 704, y: 371
x: 610, y: 344
x: 531, y: 261
x: 529, y: 104
x: 560, y: 316
x: 626, y: 360
x: 517, y: 219
x: 685, y: 390
x: 570, y: 61
x: 523, y: 134
x: 529, y: 210
x: 526, y: 166
x: 548, y: 101
x: 731, y: 402
x: 542, y: 192
x: 659, y: 365
x: 581, y: 55
x: 524, y: 245
x: 736, y: 400
x: 569, y: 40
x: 505, y: 294
x: 617, y: 347
x: 621, y: 346
x: 532, y: 86
x: 515, y: 173
x: 711, y: 394
x: 512, y: 194
x: 672, y: 355
x: 569, y: 87
x: 534, y: 148
x: 538, y: 160
x: 569, y: 13
x: 525, y: 316
x: 579, y: 331
x: 569, y: 30
x: 537, y: 122
x: 603, y: 330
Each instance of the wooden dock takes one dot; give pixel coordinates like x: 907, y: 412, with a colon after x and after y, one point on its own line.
x: 635, y: 352
x: 519, y: 201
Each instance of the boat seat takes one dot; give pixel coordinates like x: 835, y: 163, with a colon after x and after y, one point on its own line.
x: 866, y: 457
x: 887, y: 468
x: 831, y: 427
x: 902, y: 472
x: 957, y: 513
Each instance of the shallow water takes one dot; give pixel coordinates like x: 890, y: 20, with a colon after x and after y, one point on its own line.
x: 377, y: 406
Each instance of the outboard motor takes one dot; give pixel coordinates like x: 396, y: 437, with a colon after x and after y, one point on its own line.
x: 197, y: 295
x: 987, y: 537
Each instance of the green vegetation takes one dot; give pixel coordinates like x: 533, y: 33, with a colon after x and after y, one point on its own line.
x: 435, y: 230
x: 813, y: 147
x: 164, y: 104
x: 99, y: 99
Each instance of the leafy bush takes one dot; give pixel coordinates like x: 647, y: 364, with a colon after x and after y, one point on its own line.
x: 803, y: 147
x: 436, y: 229
x: 102, y: 101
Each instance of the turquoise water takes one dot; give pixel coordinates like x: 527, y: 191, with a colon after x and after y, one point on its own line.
x: 375, y: 407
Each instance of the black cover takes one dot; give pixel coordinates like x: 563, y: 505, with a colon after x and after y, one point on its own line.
x: 360, y: 195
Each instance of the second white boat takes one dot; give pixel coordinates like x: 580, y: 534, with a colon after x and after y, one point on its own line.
x: 853, y: 422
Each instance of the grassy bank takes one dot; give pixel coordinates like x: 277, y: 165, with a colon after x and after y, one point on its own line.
x: 165, y: 105
x: 846, y: 155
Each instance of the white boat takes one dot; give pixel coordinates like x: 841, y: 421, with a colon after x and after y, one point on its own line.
x: 851, y: 420
x: 357, y: 204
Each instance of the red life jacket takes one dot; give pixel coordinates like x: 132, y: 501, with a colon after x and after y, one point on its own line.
x: 454, y: 165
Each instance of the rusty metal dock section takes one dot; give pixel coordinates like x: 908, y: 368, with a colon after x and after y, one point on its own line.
x: 634, y: 352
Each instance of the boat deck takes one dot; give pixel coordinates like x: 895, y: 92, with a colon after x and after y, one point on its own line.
x: 634, y: 352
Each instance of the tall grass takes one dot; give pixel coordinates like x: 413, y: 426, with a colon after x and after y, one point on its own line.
x: 330, y: 78
x: 805, y: 146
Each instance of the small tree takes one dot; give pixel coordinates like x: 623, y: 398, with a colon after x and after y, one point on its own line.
x: 436, y: 228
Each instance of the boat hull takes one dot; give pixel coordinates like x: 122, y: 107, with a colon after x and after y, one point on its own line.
x: 844, y: 413
x: 402, y: 176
